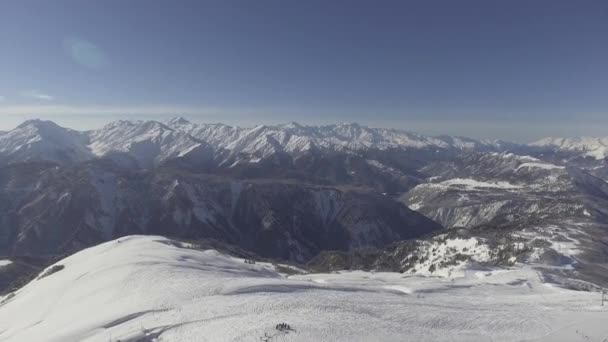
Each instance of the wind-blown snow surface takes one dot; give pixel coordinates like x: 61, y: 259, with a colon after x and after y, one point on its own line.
x: 146, y: 288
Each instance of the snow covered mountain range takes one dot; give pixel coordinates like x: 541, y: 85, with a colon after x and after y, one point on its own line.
x: 151, y: 143
x: 293, y: 192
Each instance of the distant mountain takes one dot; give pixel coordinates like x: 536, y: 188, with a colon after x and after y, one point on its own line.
x: 588, y: 146
x: 43, y: 140
x: 496, y: 188
x: 150, y: 143
x: 294, y: 138
x: 153, y: 143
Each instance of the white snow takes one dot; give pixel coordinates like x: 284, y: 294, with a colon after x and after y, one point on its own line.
x: 593, y: 147
x: 151, y: 289
x: 470, y: 183
x: 43, y: 140
x: 263, y: 140
x: 559, y: 239
x: 381, y: 166
x: 152, y: 142
x: 434, y: 253
x: 149, y: 142
x: 509, y: 155
x: 545, y: 166
x: 415, y: 206
x: 5, y: 262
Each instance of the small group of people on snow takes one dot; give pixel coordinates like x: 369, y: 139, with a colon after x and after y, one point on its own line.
x: 283, y: 326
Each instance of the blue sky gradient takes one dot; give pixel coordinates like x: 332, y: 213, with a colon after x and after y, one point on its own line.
x: 510, y: 69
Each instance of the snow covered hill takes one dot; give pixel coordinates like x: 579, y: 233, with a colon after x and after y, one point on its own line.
x: 153, y: 289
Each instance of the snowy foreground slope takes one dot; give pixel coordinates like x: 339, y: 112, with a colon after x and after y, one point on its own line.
x: 148, y: 288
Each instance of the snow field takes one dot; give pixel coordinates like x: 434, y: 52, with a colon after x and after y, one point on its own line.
x: 146, y: 288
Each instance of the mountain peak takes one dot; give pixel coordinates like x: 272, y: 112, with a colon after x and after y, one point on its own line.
x: 178, y: 121
x: 38, y: 123
x: 291, y: 124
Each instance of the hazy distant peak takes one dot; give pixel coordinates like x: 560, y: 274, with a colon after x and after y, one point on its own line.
x: 38, y: 123
x: 178, y: 121
x: 596, y: 147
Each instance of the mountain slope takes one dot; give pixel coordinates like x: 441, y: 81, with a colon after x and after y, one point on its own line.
x: 152, y: 289
x: 495, y: 188
x: 593, y: 147
x: 64, y: 209
x: 149, y: 142
x: 294, y: 138
x: 43, y: 140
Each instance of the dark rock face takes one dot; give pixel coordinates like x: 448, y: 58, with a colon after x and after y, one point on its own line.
x: 51, y: 209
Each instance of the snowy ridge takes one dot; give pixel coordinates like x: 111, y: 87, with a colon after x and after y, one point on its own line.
x: 218, y: 135
x: 294, y: 138
x: 475, y: 184
x: 590, y: 146
x: 44, y: 140
x: 152, y: 142
x: 153, y: 289
x: 149, y: 142
x: 545, y: 166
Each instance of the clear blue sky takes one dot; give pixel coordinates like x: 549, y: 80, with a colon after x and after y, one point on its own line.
x: 516, y: 69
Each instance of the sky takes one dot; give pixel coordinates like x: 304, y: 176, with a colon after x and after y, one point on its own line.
x: 517, y: 69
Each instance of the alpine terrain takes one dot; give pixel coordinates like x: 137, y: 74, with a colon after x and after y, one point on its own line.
x: 364, y: 224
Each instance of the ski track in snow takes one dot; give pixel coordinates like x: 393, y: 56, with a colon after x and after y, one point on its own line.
x: 146, y: 288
